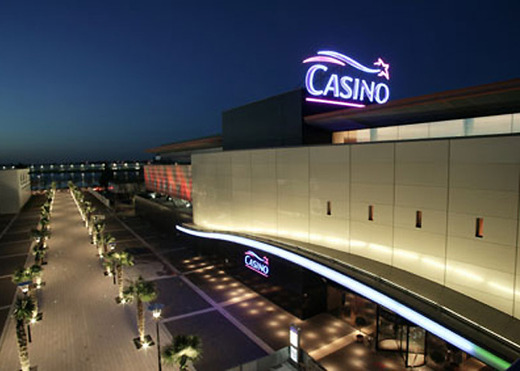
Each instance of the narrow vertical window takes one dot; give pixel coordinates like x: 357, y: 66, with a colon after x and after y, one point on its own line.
x: 418, y: 219
x: 371, y: 212
x: 329, y: 208
x: 479, y: 228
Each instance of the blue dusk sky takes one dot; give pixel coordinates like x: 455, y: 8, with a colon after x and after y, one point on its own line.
x: 104, y: 80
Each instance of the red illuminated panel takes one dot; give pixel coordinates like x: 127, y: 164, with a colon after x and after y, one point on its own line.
x: 172, y: 180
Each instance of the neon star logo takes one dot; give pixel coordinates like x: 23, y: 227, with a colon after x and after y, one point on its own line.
x: 384, y: 68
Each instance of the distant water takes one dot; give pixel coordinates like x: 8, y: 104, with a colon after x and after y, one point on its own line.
x: 43, y: 180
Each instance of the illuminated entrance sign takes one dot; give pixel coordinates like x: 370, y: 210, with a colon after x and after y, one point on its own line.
x: 327, y: 82
x: 256, y: 263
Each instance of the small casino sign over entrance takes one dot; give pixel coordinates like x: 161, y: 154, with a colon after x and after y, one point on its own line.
x: 334, y: 78
x: 256, y: 263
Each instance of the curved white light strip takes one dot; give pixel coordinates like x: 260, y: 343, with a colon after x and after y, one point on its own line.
x: 323, y: 59
x: 364, y: 290
x: 350, y: 61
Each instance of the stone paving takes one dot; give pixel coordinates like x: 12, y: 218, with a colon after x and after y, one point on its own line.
x: 82, y: 327
x: 224, y: 344
x: 14, y: 249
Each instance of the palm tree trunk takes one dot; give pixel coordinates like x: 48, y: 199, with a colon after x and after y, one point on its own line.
x: 183, y: 364
x: 32, y: 293
x: 119, y: 269
x: 23, y: 353
x: 140, y: 319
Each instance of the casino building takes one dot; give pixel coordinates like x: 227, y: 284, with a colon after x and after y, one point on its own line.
x: 411, y: 206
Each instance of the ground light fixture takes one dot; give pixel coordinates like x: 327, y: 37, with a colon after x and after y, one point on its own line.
x: 148, y: 342
x: 156, y: 309
x: 364, y: 290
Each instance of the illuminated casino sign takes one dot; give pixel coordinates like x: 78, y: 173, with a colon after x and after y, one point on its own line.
x: 334, y: 78
x: 256, y: 263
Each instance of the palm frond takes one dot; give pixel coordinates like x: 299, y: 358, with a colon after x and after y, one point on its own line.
x: 23, y: 308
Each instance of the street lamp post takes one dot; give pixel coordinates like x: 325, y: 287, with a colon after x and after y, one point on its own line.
x: 156, y: 309
x: 29, y: 337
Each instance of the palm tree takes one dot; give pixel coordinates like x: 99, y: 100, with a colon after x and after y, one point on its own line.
x: 89, y: 209
x: 39, y: 252
x: 80, y: 197
x: 22, y: 275
x: 45, y: 212
x: 99, y: 227
x: 40, y: 235
x: 105, y: 240
x: 25, y: 275
x: 23, y: 310
x: 183, y: 349
x: 109, y: 263
x: 46, y: 209
x: 142, y: 291
x: 118, y: 260
x: 36, y: 274
x: 44, y: 223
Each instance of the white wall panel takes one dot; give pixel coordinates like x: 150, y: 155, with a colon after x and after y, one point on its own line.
x: 433, y: 221
x: 443, y: 129
x: 241, y: 190
x: 482, y: 201
x: 421, y: 197
x: 372, y: 184
x: 222, y: 217
x: 420, y: 252
x: 371, y: 241
x: 329, y: 182
x: 491, y: 287
x: 264, y: 193
x: 491, y: 125
x: 484, y: 181
x: 292, y: 170
x: 516, y: 123
x: 480, y: 253
x: 413, y: 131
x: 516, y: 291
x: 452, y: 182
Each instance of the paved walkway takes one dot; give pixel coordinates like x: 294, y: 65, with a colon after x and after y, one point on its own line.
x: 15, y: 250
x: 82, y: 327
